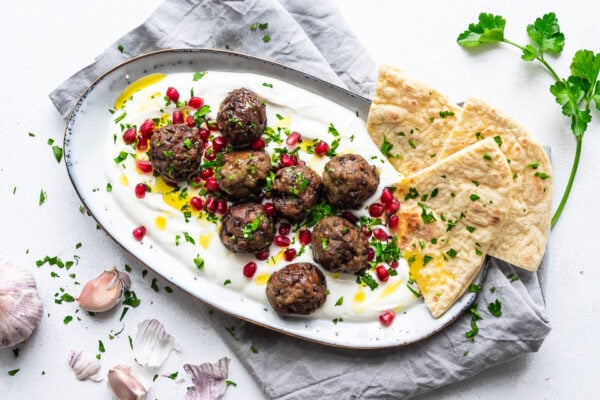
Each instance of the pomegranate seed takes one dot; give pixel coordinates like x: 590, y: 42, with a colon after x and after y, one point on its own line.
x: 140, y: 190
x: 211, y: 184
x: 270, y: 210
x: 386, y: 196
x: 282, y: 241
x: 284, y: 229
x: 142, y: 144
x: 289, y: 254
x: 393, y: 221
x: 173, y: 94
x: 392, y: 207
x: 195, y: 102
x: 293, y: 139
x: 376, y: 210
x: 304, y: 237
x: 259, y: 144
x: 380, y: 234
x: 321, y: 148
x: 147, y: 128
x: 287, y: 160
x: 211, y: 204
x: 210, y: 154
x: 370, y: 254
x: 394, y: 264
x: 212, y: 125
x: 263, y: 255
x: 350, y: 217
x: 204, y: 134
x: 144, y: 166
x: 196, y: 203
x: 387, y: 318
x: 249, y: 269
x: 365, y: 231
x: 206, y: 173
x: 129, y: 136
x: 139, y: 232
x: 221, y: 206
x: 219, y: 143
x: 382, y: 273
x: 190, y: 121
x: 177, y: 117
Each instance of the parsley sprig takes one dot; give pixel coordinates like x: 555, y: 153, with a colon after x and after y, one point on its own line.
x: 575, y: 94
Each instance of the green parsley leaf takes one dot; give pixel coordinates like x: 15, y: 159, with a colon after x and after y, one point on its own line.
x: 367, y: 279
x: 473, y: 288
x: 534, y: 165
x: 263, y: 26
x: 253, y: 27
x: 101, y: 348
x: 386, y: 147
x: 489, y: 29
x: 339, y: 301
x: 131, y: 299
x: 426, y: 259
x: 498, y: 140
x: 227, y: 282
x: 451, y: 253
x: 108, y: 187
x: 67, y: 319
x: 266, y: 38
x: 471, y: 228
x: 474, y: 197
x: 42, y: 197
x: 121, y: 157
x: 446, y: 113
x: 13, y: 372
x: 230, y: 383
x: 486, y: 156
x: 58, y: 153
x: 495, y: 308
x: 542, y: 175
x: 269, y: 85
x: 198, y: 75
x: 120, y: 48
x: 546, y: 33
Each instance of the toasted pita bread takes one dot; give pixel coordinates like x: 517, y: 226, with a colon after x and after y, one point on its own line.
x: 409, y: 120
x: 522, y: 240
x: 450, y: 214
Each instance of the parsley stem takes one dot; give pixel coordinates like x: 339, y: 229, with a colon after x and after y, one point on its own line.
x: 540, y: 58
x: 565, y: 196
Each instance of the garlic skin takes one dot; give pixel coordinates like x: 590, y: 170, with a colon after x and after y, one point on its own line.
x: 85, y: 367
x: 21, y: 309
x: 124, y: 385
x: 104, y: 292
x: 153, y: 344
x: 209, y: 380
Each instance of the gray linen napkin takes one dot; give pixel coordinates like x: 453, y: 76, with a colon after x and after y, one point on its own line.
x: 316, y: 40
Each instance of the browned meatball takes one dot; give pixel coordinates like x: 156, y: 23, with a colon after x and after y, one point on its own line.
x: 242, y: 117
x: 295, y: 190
x: 246, y: 227
x: 339, y: 246
x: 243, y: 173
x: 176, y: 152
x: 297, y: 289
x: 348, y: 180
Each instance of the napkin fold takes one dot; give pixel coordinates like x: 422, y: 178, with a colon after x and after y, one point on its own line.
x: 317, y: 40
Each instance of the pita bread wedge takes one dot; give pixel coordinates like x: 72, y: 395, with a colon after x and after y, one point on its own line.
x: 450, y: 214
x: 523, y: 238
x: 409, y: 120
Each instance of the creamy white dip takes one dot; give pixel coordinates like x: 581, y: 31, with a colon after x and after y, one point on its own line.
x: 159, y: 212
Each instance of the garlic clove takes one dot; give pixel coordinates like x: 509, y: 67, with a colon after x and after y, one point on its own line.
x: 153, y: 344
x: 85, y: 367
x: 209, y: 380
x: 21, y: 309
x: 124, y: 385
x: 105, y: 291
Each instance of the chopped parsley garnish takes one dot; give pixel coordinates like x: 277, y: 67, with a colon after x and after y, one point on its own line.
x: 426, y: 259
x: 108, y: 187
x: 339, y: 301
x: 451, y: 253
x: 250, y: 228
x: 120, y: 48
x: 495, y: 308
x: 42, y: 197
x: 474, y: 328
x: 266, y: 38
x: 542, y: 175
x: 367, y: 279
x: 154, y: 286
x: 473, y: 288
x: 131, y: 299
x: 446, y: 113
x: 512, y: 277
x: 474, y: 197
x: 58, y: 153
x: 230, y: 383
x: 101, y: 348
x: 188, y: 238
x: 188, y: 143
x: 412, y: 144
x: 13, y: 372
x: 199, y: 261
x: 434, y: 193
x: 414, y: 290
x: 198, y: 75
x: 227, y: 282
x: 269, y: 85
x: 498, y: 140
x: 386, y: 147
x: 486, y: 156
x: 168, y: 153
x: 318, y: 212
x: 173, y: 375
x: 120, y: 117
x: 533, y: 165
x: 324, y: 242
x: 427, y: 217
x: 412, y: 194
x: 471, y: 228
x: 201, y: 113
x: 253, y: 349
x: 121, y: 157
x: 67, y: 319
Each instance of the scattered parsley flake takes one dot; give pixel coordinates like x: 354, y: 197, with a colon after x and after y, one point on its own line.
x: 269, y: 85
x: 13, y: 372
x: 67, y: 319
x: 446, y: 113
x: 474, y: 197
x: 495, y: 308
x: 230, y: 383
x: 120, y: 48
x: 266, y: 38
x: 542, y: 175
x: 474, y: 288
x: 498, y: 140
x: 198, y: 75
x: 339, y: 301
x: 42, y: 197
x: 154, y: 286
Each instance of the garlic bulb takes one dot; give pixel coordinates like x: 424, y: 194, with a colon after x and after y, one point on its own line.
x: 209, y: 380
x: 105, y: 291
x: 124, y: 385
x: 21, y: 309
x: 85, y: 367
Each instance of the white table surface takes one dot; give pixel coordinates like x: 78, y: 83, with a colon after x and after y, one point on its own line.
x: 45, y: 42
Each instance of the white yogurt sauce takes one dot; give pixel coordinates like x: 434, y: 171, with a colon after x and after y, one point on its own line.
x: 303, y: 112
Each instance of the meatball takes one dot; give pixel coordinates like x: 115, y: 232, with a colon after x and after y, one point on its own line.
x: 176, y: 152
x: 348, y: 180
x: 298, y: 288
x: 295, y: 190
x: 246, y: 227
x: 339, y: 246
x: 242, y: 117
x: 243, y: 173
